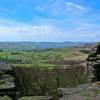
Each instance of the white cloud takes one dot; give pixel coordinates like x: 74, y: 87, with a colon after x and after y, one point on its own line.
x: 75, y: 5
x: 45, y: 32
x: 26, y: 32
x: 75, y: 8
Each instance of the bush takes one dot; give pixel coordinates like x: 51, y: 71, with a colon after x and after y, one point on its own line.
x: 36, y: 81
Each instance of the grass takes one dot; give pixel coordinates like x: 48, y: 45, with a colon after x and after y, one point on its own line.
x: 40, y: 65
x: 87, y: 99
x: 29, y: 59
x: 97, y: 91
x: 86, y: 94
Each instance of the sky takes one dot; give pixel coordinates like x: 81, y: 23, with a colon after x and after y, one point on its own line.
x: 50, y: 20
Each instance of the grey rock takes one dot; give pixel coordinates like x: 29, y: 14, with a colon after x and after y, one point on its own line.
x: 90, y: 91
x: 7, y: 81
x: 92, y: 70
x: 4, y: 67
x: 35, y: 98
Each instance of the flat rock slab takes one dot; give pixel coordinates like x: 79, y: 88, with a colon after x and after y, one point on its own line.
x: 4, y: 66
x: 5, y: 98
x: 35, y: 98
x: 83, y: 92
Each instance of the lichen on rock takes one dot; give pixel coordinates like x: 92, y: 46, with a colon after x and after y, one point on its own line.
x: 5, y: 98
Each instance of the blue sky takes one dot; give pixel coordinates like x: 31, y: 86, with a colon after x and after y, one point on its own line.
x: 50, y: 20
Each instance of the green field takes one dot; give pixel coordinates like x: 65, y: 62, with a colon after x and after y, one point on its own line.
x: 41, y: 58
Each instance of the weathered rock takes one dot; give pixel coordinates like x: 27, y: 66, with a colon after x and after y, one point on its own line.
x: 98, y: 57
x: 7, y: 81
x: 5, y: 98
x: 36, y: 98
x: 5, y: 67
x: 90, y: 91
x: 92, y: 71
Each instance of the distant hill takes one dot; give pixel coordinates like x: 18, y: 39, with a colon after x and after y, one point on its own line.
x: 29, y: 46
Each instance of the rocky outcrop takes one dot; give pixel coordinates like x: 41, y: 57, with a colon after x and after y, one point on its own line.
x: 7, y: 81
x: 92, y: 71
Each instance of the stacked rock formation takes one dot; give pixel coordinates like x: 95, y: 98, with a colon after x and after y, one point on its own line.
x: 92, y: 71
x: 7, y: 81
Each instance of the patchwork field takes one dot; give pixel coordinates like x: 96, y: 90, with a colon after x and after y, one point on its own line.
x: 45, y: 58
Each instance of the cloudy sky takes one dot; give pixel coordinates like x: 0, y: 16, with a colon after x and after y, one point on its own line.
x: 50, y: 20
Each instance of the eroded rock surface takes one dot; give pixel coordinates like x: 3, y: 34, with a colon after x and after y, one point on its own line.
x: 7, y: 81
x: 5, y: 98
x: 36, y: 98
x: 90, y: 91
x: 92, y: 71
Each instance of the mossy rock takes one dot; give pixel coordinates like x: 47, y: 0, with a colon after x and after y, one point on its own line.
x: 35, y: 98
x: 5, y: 98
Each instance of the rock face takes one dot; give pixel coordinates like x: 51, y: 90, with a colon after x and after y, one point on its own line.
x: 7, y: 81
x: 92, y: 71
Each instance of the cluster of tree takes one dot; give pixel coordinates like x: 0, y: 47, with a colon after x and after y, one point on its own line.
x: 10, y: 60
x: 34, y: 81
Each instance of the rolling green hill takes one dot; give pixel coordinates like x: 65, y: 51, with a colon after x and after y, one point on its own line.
x: 45, y: 58
x: 30, y: 46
